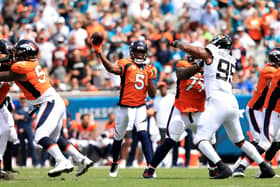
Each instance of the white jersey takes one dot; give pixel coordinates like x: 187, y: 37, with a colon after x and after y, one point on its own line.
x: 218, y: 75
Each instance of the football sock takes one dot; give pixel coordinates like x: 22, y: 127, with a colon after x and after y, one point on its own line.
x: 162, y: 151
x: 116, y: 149
x: 245, y: 163
x: 207, y: 150
x: 55, y: 152
x: 52, y: 148
x: 270, y: 153
x: 146, y: 145
x: 7, y: 158
x: 210, y: 163
x: 252, y: 152
x: 68, y: 148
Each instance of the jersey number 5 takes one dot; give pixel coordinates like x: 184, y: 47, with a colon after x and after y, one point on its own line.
x: 139, y: 81
x: 225, y: 70
x: 40, y: 74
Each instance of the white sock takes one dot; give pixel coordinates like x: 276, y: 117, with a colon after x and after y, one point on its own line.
x: 71, y: 150
x: 207, y: 149
x: 251, y: 151
x: 55, y: 152
x: 245, y: 162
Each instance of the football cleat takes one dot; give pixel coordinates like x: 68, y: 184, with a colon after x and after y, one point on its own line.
x: 238, y: 172
x: 212, y: 172
x: 61, y: 167
x: 83, y: 166
x: 114, y: 170
x: 149, y: 173
x: 223, y: 171
x: 265, y: 171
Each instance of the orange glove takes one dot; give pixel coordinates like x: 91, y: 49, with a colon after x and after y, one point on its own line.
x: 98, y: 48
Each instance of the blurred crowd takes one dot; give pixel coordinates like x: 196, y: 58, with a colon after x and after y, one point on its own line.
x: 62, y: 29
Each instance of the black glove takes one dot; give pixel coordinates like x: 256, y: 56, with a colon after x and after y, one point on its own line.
x: 9, y: 103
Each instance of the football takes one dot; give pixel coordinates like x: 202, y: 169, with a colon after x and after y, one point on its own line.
x: 97, y: 38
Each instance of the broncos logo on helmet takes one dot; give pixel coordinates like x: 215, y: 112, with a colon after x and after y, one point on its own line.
x: 26, y: 50
x: 274, y: 57
x: 138, y: 51
x: 222, y: 41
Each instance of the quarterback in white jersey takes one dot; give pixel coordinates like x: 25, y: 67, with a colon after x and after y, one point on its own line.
x: 221, y: 104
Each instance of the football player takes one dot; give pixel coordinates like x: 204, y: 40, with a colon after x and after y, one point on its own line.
x: 7, y: 130
x: 186, y: 110
x: 221, y: 105
x: 136, y: 81
x: 254, y: 109
x: 33, y: 81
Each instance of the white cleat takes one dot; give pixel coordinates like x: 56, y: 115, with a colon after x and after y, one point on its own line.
x: 83, y: 166
x: 64, y: 166
x: 114, y: 170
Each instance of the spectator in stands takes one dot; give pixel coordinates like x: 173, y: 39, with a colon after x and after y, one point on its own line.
x: 269, y: 18
x: 110, y: 124
x: 60, y: 30
x: 58, y: 74
x: 271, y: 40
x: 163, y: 53
x: 9, y: 12
x: 167, y: 7
x: 238, y: 52
x: 254, y: 26
x: 46, y: 52
x: 24, y: 123
x: 79, y: 70
x: 80, y: 34
x: 209, y: 17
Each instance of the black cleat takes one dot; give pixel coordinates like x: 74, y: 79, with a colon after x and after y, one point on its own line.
x: 114, y: 170
x: 266, y: 171
x: 212, y: 172
x: 149, y: 173
x: 223, y: 171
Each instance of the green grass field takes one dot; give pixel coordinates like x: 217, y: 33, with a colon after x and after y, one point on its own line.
x: 133, y: 178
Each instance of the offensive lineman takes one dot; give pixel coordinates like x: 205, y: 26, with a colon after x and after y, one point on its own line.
x: 221, y: 104
x: 187, y: 108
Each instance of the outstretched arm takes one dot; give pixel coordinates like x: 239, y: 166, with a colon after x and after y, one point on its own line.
x: 7, y: 76
x: 194, y: 51
x: 112, y: 68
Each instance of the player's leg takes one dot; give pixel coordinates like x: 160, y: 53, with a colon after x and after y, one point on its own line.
x: 255, y: 119
x: 175, y: 130
x: 234, y: 131
x: 47, y: 122
x: 275, y: 146
x: 208, y: 124
x: 4, y: 135
x: 120, y: 127
x: 141, y: 127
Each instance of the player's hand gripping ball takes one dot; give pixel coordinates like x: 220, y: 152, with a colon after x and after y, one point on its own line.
x: 97, y: 38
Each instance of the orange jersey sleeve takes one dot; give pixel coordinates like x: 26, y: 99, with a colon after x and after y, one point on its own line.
x: 134, y: 84
x: 36, y: 82
x: 190, y: 94
x: 259, y: 95
x: 4, y: 89
x: 272, y: 101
